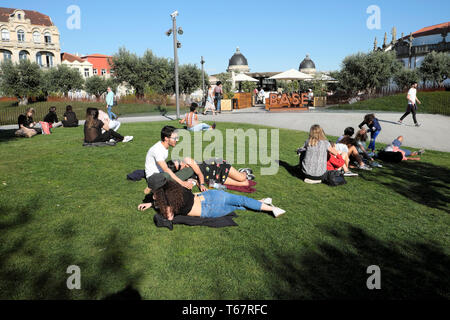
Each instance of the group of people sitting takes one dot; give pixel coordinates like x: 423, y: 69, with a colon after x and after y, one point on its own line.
x: 29, y: 128
x: 99, y: 127
x: 170, y: 184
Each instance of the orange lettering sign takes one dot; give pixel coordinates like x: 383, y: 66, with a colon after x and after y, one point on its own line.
x: 273, y: 99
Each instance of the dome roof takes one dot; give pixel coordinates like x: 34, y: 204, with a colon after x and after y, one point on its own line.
x: 307, y: 63
x: 238, y: 59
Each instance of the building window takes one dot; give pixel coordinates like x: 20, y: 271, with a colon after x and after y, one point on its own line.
x: 36, y: 37
x: 103, y: 72
x: 20, y: 36
x: 7, y: 55
x: 19, y: 16
x: 95, y: 72
x: 23, y: 55
x: 86, y: 72
x: 44, y: 59
x: 39, y: 59
x: 5, y: 35
x: 48, y: 37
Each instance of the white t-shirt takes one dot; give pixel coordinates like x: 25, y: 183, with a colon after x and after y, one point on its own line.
x: 103, y: 116
x: 412, y: 95
x: 156, y: 153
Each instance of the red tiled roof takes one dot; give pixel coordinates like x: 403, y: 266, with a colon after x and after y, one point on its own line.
x: 97, y: 55
x: 35, y: 17
x: 436, y: 29
x: 70, y: 57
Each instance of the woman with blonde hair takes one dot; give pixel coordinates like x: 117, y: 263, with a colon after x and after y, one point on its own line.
x: 314, y: 156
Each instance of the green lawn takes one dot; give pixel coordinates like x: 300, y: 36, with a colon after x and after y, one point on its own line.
x: 62, y: 204
x: 432, y: 102
x: 9, y: 112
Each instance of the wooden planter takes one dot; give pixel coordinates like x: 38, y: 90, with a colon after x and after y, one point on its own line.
x: 225, y: 105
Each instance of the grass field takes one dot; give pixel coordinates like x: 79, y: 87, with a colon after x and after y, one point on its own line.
x: 62, y: 204
x: 432, y: 102
x: 10, y: 112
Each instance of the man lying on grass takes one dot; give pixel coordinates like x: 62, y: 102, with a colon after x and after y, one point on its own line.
x: 171, y: 199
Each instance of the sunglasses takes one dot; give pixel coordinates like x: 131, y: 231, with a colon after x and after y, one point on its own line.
x: 175, y: 139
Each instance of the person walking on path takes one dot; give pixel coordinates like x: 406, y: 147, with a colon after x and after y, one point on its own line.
x: 218, y: 95
x: 110, y: 103
x: 412, y: 106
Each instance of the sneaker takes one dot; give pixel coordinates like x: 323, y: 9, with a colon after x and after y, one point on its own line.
x: 312, y: 181
x: 127, y: 138
x: 112, y: 140
x: 248, y: 170
x: 417, y: 124
x: 399, y: 122
x: 250, y: 176
x: 213, y: 125
x: 365, y: 168
x: 267, y: 201
x: 421, y: 151
x: 376, y: 165
x: 350, y: 174
x: 277, y: 211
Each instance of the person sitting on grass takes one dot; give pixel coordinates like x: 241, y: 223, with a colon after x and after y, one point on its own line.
x: 360, y: 144
x: 212, y: 170
x: 348, y: 132
x: 93, y: 129
x: 52, y: 118
x: 172, y: 199
x: 353, y: 155
x: 70, y: 118
x: 314, y: 156
x: 112, y: 124
x: 191, y: 120
x: 407, y: 154
x: 338, y: 161
x: 374, y: 128
x: 27, y: 126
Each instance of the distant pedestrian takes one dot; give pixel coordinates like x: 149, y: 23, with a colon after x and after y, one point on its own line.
x: 412, y: 106
x: 110, y: 103
x: 218, y: 96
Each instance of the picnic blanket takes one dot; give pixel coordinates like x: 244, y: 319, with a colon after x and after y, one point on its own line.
x: 247, y: 189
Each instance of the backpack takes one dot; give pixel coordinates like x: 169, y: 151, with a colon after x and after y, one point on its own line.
x: 334, y: 178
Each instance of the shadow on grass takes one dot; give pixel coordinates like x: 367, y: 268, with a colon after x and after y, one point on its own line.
x: 422, y: 182
x: 337, y: 269
x: 7, y: 134
x: 294, y: 171
x: 31, y: 269
x: 129, y: 293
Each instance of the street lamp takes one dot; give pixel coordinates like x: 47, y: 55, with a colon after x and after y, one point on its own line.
x: 203, y: 81
x: 176, y: 45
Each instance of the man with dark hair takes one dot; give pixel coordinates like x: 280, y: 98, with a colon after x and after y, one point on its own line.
x: 412, y: 106
x: 218, y: 95
x: 52, y: 119
x: 191, y: 120
x: 155, y: 161
x: 349, y: 131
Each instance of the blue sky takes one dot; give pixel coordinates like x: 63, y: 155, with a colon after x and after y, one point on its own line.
x: 273, y: 35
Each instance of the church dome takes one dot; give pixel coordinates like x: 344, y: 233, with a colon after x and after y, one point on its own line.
x: 238, y: 62
x: 307, y: 65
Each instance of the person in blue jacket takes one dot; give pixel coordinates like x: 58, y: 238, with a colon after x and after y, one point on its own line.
x: 374, y: 128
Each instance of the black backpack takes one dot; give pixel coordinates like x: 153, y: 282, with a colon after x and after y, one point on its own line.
x: 334, y: 178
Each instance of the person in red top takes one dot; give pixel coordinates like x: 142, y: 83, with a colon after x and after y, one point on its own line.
x: 336, y: 162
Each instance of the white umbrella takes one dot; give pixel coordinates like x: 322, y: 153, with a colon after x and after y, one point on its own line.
x: 292, y: 74
x: 241, y: 77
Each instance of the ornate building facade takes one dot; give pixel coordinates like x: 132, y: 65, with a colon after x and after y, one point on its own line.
x: 31, y: 35
x: 412, y: 49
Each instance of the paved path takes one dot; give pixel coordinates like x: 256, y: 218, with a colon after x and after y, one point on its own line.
x: 433, y: 134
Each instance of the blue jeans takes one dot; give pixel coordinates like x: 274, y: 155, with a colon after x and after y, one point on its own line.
x: 373, y: 137
x: 199, y: 127
x: 218, y: 105
x: 110, y: 113
x: 219, y: 203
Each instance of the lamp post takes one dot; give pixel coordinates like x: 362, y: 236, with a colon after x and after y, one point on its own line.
x: 203, y: 80
x: 176, y: 45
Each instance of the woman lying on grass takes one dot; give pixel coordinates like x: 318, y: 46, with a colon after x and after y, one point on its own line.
x: 213, y: 170
x: 172, y: 199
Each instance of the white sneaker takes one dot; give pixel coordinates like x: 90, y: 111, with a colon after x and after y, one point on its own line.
x: 127, y: 138
x: 277, y: 211
x: 112, y: 140
x: 267, y: 201
x: 312, y: 181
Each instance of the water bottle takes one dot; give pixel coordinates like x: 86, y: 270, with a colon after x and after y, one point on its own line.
x: 216, y: 185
